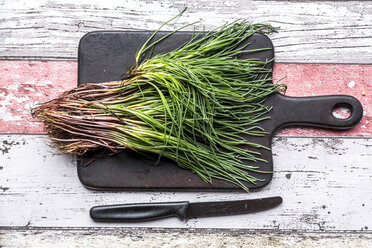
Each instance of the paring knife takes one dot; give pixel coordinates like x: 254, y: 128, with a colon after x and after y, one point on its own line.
x: 183, y: 210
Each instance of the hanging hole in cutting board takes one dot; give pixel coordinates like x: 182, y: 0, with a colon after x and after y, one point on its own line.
x: 341, y: 111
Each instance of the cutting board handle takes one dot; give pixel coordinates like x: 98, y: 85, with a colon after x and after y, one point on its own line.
x: 316, y: 111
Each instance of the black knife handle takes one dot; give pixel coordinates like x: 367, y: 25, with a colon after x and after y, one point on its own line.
x: 139, y: 212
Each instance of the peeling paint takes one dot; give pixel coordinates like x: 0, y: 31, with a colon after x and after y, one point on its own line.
x: 27, y: 83
x: 4, y: 188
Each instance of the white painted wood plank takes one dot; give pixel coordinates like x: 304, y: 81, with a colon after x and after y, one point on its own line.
x: 139, y: 238
x: 325, y: 183
x: 311, y: 31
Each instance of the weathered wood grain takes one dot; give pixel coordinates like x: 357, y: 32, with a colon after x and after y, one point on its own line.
x: 325, y: 184
x: 185, y: 238
x: 25, y: 83
x: 311, y: 31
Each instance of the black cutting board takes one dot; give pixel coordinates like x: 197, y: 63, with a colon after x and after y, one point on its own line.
x: 106, y: 56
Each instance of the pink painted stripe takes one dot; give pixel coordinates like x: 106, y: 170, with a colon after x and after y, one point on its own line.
x: 24, y: 83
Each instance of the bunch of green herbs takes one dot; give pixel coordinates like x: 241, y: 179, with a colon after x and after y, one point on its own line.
x: 192, y: 105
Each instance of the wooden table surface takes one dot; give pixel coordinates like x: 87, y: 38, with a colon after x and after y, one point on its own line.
x: 324, y: 177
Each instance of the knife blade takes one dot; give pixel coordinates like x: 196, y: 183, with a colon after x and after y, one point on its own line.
x: 183, y: 209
